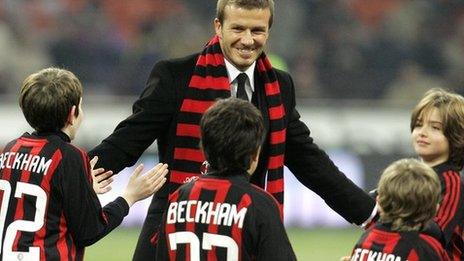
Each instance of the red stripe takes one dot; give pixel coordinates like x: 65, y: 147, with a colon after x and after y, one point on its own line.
x: 261, y: 67
x: 281, y: 210
x: 389, y: 239
x: 171, y: 228
x: 213, y: 59
x: 222, y: 188
x: 74, y: 250
x: 413, y: 256
x: 435, y: 245
x: 275, y: 186
x: 61, y: 243
x: 213, y: 41
x: 272, y: 88
x: 273, y: 198
x: 7, y: 171
x: 236, y: 232
x: 27, y: 142
x: 194, y: 195
x: 86, y: 162
x: 210, y: 82
x: 189, y: 130
x: 277, y: 112
x: 275, y: 162
x: 181, y: 177
x: 56, y: 159
x: 195, y: 106
x: 278, y: 137
x: 457, y: 242
x: 189, y: 154
x: 450, y: 200
x: 25, y: 176
x: 45, y: 184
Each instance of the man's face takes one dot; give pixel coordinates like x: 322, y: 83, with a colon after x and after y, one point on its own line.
x: 243, y: 34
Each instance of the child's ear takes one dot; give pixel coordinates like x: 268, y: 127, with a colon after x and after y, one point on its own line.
x: 72, y: 115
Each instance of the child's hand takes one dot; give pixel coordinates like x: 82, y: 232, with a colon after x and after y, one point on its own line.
x: 101, y: 180
x: 345, y: 258
x: 143, y: 186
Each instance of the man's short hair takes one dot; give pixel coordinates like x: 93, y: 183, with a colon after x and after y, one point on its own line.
x: 246, y: 4
x: 232, y: 130
x: 47, y: 96
x: 408, y: 194
x: 450, y: 106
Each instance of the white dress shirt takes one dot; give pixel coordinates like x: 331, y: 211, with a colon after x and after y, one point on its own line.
x: 233, y: 72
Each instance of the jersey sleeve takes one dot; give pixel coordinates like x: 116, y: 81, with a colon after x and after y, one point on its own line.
x: 87, y: 221
x: 272, y: 240
x: 450, y: 213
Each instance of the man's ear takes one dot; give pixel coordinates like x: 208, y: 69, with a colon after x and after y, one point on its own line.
x: 72, y: 115
x: 217, y: 28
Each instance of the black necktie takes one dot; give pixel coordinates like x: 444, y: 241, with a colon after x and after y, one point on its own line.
x: 241, y: 93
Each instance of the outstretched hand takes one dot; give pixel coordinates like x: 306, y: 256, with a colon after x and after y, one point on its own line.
x: 101, y: 179
x: 143, y: 186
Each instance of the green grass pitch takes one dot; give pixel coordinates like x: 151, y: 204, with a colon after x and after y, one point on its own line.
x: 315, y: 244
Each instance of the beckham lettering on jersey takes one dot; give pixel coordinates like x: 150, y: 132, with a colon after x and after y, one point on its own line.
x: 206, y: 213
x: 365, y: 254
x: 24, y: 161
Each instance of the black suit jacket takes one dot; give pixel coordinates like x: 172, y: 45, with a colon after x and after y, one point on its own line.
x: 154, y: 117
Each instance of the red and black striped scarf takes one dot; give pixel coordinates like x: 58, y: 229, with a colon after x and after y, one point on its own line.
x: 208, y: 83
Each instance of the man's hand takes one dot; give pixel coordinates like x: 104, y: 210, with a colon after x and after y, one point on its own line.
x: 101, y: 179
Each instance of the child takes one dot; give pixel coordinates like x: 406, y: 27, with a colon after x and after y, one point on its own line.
x: 49, y: 210
x: 437, y: 132
x: 408, y: 196
x: 221, y: 215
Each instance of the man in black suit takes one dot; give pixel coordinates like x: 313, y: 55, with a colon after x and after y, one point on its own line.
x: 177, y: 93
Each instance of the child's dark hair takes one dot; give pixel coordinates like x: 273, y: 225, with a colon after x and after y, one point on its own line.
x: 232, y: 131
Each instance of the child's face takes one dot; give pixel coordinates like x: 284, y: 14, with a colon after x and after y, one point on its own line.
x: 428, y: 139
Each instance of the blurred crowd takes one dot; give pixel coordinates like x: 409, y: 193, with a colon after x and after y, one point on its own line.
x: 334, y: 49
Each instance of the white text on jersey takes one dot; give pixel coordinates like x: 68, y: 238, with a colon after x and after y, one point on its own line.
x: 365, y: 254
x: 206, y: 212
x: 24, y: 161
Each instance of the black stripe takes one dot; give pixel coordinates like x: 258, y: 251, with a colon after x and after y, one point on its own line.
x: 207, y: 94
x: 189, y: 118
x: 187, y: 142
x: 403, y: 247
x: 276, y: 126
x: 273, y: 100
x: 273, y: 175
x: 187, y: 166
x: 279, y: 197
x: 211, y: 70
x: 277, y: 149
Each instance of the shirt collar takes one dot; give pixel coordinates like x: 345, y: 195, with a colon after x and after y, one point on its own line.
x: 60, y: 134
x: 233, y: 72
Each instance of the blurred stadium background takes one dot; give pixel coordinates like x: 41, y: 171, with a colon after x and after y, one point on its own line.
x: 358, y: 66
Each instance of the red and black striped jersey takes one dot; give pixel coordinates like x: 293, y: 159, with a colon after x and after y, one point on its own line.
x: 222, y: 217
x: 450, y: 216
x: 49, y: 210
x: 381, y: 243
